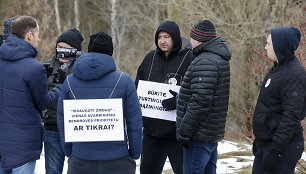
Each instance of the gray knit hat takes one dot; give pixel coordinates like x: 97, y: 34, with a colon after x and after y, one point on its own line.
x: 203, y: 31
x: 8, y: 27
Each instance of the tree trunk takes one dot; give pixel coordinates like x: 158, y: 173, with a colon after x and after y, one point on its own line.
x: 114, y: 27
x: 58, y: 23
x: 76, y: 14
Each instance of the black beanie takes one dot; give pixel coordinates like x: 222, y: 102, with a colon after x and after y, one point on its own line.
x: 8, y: 27
x: 203, y: 31
x: 73, y: 37
x: 101, y: 42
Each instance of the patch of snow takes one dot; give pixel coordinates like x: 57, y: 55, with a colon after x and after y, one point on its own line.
x: 224, y: 166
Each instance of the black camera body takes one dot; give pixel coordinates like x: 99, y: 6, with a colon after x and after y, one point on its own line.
x: 67, y: 53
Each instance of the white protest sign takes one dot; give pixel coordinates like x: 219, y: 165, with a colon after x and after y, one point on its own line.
x: 93, y: 120
x: 151, y: 95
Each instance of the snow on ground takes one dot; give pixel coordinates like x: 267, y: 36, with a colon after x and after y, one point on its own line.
x: 224, y: 165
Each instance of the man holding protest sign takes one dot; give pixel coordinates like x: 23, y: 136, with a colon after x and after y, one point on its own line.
x: 163, y: 66
x: 101, y: 113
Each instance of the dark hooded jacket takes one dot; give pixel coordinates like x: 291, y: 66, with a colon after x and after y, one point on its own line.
x: 281, y: 104
x: 162, y: 68
x: 94, y: 76
x: 23, y: 94
x: 203, y: 98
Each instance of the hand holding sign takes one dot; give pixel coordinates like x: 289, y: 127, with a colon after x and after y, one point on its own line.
x: 170, y: 103
x: 151, y: 96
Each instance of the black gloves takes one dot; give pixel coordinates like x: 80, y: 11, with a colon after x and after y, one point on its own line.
x: 270, y: 161
x: 183, y: 140
x: 272, y: 157
x: 170, y: 103
x: 61, y: 76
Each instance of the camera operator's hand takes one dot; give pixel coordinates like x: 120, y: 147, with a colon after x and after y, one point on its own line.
x: 61, y: 76
x: 48, y: 68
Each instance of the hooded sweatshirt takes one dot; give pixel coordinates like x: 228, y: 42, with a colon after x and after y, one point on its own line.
x: 162, y: 68
x: 23, y: 95
x: 281, y: 103
x: 94, y: 76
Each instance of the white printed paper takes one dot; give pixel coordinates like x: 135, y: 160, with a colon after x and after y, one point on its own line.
x: 151, y: 95
x: 93, y: 120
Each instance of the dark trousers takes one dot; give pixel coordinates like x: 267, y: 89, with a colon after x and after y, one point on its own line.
x: 125, y: 165
x: 54, y: 155
x: 154, y: 154
x: 290, y: 157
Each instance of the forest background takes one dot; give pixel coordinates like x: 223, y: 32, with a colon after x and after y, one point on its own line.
x: 244, y: 24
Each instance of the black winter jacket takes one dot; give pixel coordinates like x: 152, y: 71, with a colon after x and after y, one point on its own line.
x: 281, y: 105
x: 54, y: 75
x: 162, y: 69
x: 203, y: 98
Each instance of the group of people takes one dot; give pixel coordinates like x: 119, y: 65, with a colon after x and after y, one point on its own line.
x: 31, y: 93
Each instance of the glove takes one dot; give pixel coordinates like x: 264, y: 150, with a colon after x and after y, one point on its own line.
x: 254, y: 148
x: 170, y: 103
x: 183, y: 140
x: 48, y: 68
x: 272, y: 157
x: 61, y: 76
x: 270, y: 161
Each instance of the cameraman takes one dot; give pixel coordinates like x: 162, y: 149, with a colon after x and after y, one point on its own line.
x: 57, y: 71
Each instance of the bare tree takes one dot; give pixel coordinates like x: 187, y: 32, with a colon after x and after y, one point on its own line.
x: 76, y: 14
x: 58, y: 23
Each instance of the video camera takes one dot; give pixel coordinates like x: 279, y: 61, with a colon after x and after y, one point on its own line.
x: 67, y: 53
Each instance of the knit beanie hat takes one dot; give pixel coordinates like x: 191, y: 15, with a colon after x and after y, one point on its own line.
x: 8, y: 27
x: 203, y: 31
x: 73, y: 37
x: 101, y: 42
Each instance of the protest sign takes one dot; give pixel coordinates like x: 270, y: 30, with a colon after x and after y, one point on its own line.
x: 93, y: 120
x: 151, y: 95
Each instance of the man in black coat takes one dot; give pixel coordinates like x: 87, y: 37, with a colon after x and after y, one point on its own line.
x: 203, y: 100
x: 281, y: 105
x: 57, y: 71
x: 166, y: 64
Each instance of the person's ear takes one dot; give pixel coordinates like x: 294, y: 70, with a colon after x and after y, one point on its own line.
x: 28, y: 36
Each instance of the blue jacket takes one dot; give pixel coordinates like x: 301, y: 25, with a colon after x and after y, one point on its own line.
x: 94, y: 76
x: 23, y: 94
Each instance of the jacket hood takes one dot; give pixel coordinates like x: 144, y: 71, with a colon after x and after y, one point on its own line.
x: 15, y: 48
x: 185, y: 44
x: 285, y: 41
x: 216, y: 46
x: 172, y: 28
x: 93, y: 66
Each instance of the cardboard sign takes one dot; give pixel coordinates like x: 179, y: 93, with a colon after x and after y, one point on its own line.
x: 151, y: 95
x: 93, y: 120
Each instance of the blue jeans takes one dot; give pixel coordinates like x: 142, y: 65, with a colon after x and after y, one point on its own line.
x: 200, y: 158
x: 287, y: 163
x: 54, y: 155
x: 27, y: 168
